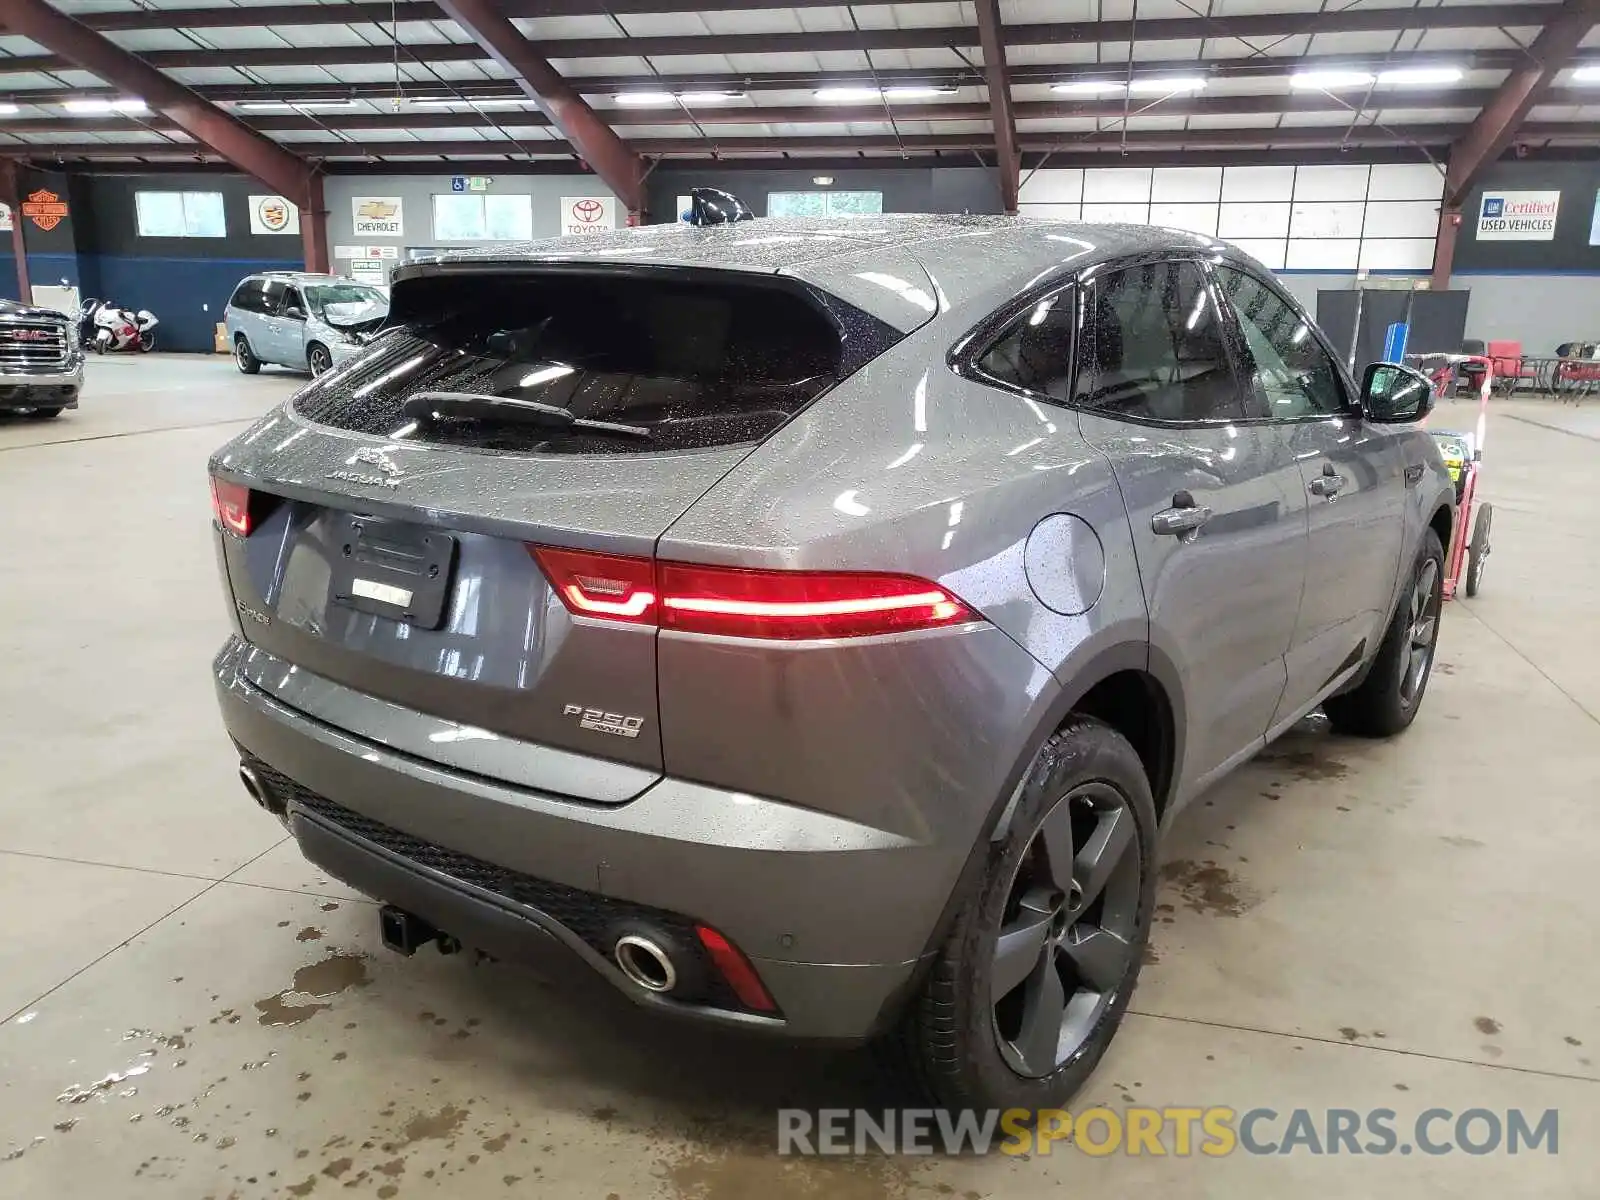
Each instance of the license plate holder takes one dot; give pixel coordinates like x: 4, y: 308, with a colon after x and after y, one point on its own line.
x: 391, y: 569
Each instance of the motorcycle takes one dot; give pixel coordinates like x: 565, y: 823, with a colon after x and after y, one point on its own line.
x: 108, y: 327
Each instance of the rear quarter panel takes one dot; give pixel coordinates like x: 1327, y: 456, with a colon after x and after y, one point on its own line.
x: 904, y: 468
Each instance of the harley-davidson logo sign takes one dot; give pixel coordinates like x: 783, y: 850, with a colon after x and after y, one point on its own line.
x: 44, y: 209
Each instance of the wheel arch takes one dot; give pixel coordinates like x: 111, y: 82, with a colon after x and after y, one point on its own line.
x: 1443, y: 523
x: 1129, y: 682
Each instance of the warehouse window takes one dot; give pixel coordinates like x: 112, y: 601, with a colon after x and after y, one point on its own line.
x: 180, y: 214
x: 823, y: 204
x: 482, y: 218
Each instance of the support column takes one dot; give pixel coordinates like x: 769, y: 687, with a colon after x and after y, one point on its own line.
x: 1444, y: 246
x: 11, y: 194
x: 314, y: 226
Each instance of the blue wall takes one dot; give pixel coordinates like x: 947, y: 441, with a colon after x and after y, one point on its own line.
x: 186, y: 282
x: 188, y: 294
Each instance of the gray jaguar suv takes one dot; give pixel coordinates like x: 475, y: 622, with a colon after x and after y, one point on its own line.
x: 809, y: 626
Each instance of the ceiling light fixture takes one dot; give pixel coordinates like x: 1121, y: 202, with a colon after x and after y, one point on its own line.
x: 7, y: 107
x: 918, y: 93
x: 1089, y: 87
x: 708, y: 97
x: 1330, y: 81
x: 487, y: 102
x: 97, y: 107
x: 846, y: 94
x: 644, y: 99
x: 1421, y: 76
x: 1164, y: 87
x: 1588, y: 74
x: 276, y: 105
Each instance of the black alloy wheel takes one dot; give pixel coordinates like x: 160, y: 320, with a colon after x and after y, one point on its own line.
x: 1068, y: 930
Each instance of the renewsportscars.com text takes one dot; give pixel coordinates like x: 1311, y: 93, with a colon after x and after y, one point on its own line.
x: 1207, y: 1131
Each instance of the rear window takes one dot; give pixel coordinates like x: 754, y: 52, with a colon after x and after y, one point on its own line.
x: 695, y: 359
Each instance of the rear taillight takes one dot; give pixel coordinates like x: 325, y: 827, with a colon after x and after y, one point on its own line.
x: 800, y: 604
x: 735, y: 602
x: 230, y: 504
x: 614, y: 587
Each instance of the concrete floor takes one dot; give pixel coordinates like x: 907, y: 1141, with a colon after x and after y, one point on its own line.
x: 188, y: 1010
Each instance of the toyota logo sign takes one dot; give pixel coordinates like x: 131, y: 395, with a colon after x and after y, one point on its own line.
x: 587, y: 214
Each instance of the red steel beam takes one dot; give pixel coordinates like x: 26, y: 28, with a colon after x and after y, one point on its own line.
x: 608, y: 155
x: 1497, y: 124
x: 1007, y: 160
x: 1264, y: 25
x: 231, y: 139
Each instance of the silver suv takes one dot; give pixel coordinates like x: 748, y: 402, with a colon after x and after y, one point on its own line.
x: 300, y: 320
x: 809, y: 626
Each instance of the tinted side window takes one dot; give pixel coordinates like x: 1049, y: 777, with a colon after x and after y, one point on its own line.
x: 291, y: 296
x: 1036, y: 352
x: 271, y: 296
x: 1153, y: 348
x: 248, y: 296
x: 1296, y: 376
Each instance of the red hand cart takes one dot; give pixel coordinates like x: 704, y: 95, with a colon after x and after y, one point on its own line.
x: 1463, y: 454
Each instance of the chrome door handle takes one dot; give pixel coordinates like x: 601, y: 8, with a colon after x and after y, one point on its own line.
x: 1183, y: 520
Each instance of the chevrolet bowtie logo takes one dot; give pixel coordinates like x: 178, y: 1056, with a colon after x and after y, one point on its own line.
x: 377, y: 210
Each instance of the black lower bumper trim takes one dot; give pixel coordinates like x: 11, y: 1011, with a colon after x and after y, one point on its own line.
x: 481, y: 919
x: 478, y: 921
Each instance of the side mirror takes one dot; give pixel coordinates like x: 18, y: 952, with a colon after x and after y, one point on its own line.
x: 295, y: 313
x: 1395, y: 395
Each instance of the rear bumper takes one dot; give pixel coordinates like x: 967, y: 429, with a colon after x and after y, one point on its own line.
x: 833, y: 916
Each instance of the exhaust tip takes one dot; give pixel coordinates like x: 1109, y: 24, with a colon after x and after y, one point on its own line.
x: 646, y: 963
x: 253, y: 785
x: 261, y: 793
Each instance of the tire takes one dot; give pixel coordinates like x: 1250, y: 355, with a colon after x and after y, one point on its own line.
x: 244, y: 358
x: 147, y: 342
x: 960, y: 1046
x: 318, y: 359
x: 46, y: 414
x: 1479, y: 549
x: 1389, y: 697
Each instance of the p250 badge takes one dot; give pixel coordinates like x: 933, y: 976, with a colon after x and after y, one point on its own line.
x: 604, y: 722
x: 387, y: 473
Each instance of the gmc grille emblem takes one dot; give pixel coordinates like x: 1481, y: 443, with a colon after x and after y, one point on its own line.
x: 28, y: 335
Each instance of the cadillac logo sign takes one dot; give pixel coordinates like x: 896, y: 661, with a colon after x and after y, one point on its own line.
x: 274, y: 213
x: 44, y: 209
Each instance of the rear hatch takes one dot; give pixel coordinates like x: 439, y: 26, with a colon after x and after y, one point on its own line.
x: 388, y: 539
